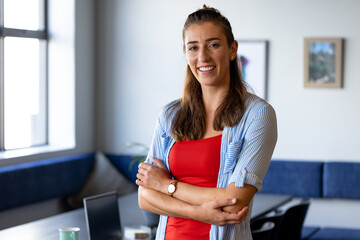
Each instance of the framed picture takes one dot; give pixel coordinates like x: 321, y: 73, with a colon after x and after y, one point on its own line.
x: 323, y: 62
x: 252, y: 59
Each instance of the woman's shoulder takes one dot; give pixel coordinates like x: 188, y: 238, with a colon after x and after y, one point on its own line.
x: 254, y: 101
x: 173, y: 105
x: 256, y: 106
x: 167, y: 113
x: 170, y: 109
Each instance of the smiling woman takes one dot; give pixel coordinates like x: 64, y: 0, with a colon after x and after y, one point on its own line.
x: 208, y: 54
x: 212, y: 148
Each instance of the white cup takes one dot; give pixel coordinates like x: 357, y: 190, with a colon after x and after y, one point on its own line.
x: 69, y: 233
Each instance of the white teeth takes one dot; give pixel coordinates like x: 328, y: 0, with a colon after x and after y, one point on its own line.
x: 204, y: 69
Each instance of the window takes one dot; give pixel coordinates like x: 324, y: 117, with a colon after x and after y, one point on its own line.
x: 23, y: 75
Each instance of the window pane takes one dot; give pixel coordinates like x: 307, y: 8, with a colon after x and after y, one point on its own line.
x: 23, y: 14
x: 24, y: 95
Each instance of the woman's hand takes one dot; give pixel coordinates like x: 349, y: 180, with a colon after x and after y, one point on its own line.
x: 212, y: 213
x: 154, y: 177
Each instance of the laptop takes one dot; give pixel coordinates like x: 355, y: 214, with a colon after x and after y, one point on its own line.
x: 102, y: 216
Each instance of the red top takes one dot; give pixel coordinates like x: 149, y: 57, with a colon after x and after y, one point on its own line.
x: 195, y: 162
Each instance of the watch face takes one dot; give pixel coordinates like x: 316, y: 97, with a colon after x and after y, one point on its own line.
x: 171, y: 188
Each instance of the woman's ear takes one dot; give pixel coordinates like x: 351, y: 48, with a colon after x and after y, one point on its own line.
x: 233, y: 50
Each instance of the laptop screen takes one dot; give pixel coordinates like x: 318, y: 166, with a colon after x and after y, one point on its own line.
x: 102, y: 216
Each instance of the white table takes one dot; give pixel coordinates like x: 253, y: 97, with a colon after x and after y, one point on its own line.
x: 130, y: 214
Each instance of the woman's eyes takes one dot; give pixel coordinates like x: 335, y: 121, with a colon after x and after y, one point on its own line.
x: 212, y: 45
x: 193, y: 48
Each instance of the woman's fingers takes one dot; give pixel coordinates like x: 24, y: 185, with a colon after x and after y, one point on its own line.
x: 138, y: 182
x: 222, y: 203
x: 153, y: 176
x: 232, y: 218
x: 143, y: 166
x: 158, y: 163
x: 243, y: 213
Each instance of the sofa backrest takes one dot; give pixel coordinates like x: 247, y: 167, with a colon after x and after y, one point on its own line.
x: 296, y: 178
x: 30, y: 182
x: 342, y: 180
x: 126, y: 164
x: 293, y: 177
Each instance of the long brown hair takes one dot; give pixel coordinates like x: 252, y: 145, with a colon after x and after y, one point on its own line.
x: 189, y: 118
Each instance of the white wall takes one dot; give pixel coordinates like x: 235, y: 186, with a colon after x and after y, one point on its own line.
x: 71, y: 54
x: 141, y: 68
x: 85, y: 75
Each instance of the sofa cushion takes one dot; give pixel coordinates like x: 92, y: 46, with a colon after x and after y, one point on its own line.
x: 342, y: 180
x: 297, y: 178
x: 104, y: 177
x: 328, y: 233
x: 30, y: 182
x: 126, y: 164
x: 308, y: 231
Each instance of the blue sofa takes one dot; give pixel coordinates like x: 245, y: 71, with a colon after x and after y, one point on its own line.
x: 28, y: 183
x: 41, y: 188
x: 305, y: 179
x: 38, y: 189
x: 125, y: 164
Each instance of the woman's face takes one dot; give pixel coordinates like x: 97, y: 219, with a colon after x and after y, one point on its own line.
x: 208, y: 54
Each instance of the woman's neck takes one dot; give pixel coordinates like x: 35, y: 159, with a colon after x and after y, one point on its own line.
x: 212, y: 98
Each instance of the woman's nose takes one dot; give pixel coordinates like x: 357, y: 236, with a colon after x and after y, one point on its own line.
x: 203, y: 55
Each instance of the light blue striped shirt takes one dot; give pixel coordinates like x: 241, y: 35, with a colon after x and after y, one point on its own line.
x: 246, y: 150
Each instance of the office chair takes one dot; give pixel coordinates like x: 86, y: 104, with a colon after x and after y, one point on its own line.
x: 293, y: 221
x: 277, y: 219
x: 264, y: 232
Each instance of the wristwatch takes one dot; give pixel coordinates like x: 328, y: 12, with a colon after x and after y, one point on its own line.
x: 172, y: 188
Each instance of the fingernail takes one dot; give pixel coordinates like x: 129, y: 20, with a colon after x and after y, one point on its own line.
x: 233, y: 200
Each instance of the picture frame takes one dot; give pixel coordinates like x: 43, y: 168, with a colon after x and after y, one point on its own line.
x: 253, y: 63
x: 323, y: 62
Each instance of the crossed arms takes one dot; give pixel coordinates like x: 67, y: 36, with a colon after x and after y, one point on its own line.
x: 217, y: 206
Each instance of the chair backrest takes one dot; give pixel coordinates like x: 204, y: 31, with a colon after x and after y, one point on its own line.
x: 265, y: 232
x: 293, y: 221
x: 277, y: 219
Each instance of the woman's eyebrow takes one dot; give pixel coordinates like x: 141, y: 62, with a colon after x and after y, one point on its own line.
x: 191, y: 42
x: 207, y: 40
x: 212, y: 39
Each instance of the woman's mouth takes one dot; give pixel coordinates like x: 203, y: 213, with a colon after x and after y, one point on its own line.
x: 206, y: 68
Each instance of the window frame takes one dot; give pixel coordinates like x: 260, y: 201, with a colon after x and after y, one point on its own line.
x: 41, y: 34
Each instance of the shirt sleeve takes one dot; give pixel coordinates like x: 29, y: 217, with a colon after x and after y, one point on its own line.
x: 159, y: 140
x: 257, y: 148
